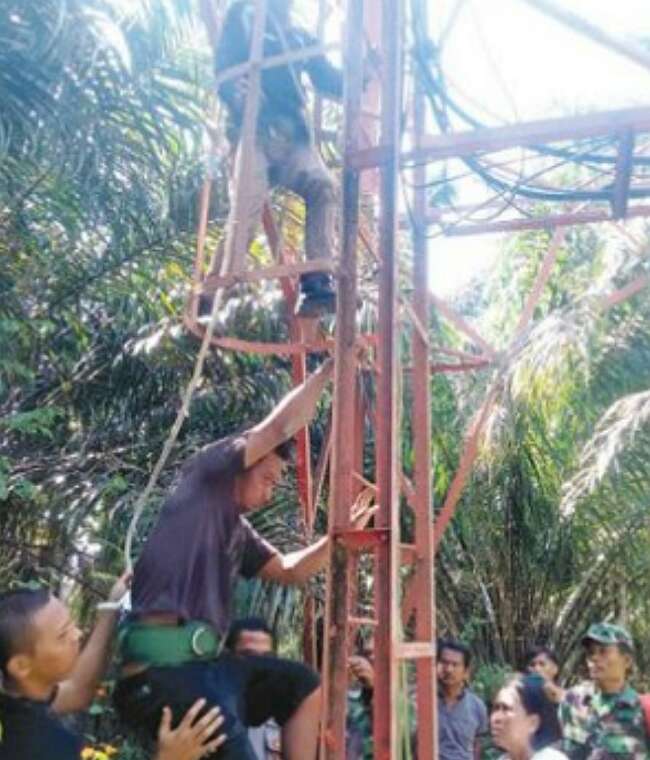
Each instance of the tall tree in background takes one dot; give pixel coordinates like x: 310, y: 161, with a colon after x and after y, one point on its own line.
x: 552, y: 531
x: 102, y: 106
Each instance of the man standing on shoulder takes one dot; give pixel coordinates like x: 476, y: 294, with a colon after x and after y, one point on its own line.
x: 462, y: 715
x: 603, y: 718
x: 184, y: 583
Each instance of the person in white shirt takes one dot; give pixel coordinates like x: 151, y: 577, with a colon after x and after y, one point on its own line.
x: 524, y: 721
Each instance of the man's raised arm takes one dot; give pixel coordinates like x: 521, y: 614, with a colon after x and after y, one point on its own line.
x: 292, y: 413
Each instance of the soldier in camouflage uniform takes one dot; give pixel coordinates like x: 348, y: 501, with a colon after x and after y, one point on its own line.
x: 358, y: 744
x: 359, y: 725
x: 602, y: 719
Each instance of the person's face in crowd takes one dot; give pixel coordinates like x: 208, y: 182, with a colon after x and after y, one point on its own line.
x: 543, y: 665
x: 511, y: 726
x: 52, y: 651
x: 608, y: 665
x: 452, y: 672
x: 254, y: 642
x: 255, y: 486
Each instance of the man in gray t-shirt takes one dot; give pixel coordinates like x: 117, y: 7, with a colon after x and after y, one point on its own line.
x: 462, y: 716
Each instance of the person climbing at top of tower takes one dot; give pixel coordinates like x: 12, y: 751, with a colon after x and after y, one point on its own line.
x: 285, y: 154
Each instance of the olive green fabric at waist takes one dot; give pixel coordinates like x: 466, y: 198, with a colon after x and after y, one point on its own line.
x: 164, y: 645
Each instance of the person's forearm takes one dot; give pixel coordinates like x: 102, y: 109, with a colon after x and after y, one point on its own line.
x: 93, y: 660
x: 305, y: 563
x: 291, y: 415
x: 298, y: 407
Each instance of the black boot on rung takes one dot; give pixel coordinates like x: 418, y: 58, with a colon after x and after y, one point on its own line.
x: 317, y: 296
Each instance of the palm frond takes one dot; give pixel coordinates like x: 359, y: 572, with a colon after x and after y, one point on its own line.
x: 618, y: 450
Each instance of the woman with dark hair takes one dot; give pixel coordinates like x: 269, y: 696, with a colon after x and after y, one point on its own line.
x: 524, y: 721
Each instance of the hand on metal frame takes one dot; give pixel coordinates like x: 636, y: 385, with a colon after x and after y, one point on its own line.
x: 363, y: 509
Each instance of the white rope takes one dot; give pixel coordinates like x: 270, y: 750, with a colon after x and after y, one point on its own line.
x: 246, y: 151
x: 173, y: 433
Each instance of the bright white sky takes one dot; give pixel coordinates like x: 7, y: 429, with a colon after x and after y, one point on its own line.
x: 523, y: 65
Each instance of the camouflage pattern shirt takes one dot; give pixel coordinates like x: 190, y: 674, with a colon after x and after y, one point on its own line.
x: 599, y: 726
x: 359, y: 725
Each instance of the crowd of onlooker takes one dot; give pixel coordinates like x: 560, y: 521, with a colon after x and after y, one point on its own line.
x: 530, y: 716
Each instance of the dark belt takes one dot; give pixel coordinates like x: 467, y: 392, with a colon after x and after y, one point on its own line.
x: 163, y: 645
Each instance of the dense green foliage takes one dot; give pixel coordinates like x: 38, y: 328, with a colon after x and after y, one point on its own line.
x: 552, y: 531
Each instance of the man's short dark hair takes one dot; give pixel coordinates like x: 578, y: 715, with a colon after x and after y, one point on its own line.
x: 535, y: 651
x: 17, y: 610
x: 247, y: 624
x: 455, y: 646
x: 284, y: 450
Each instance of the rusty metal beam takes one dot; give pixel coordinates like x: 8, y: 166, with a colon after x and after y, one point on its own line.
x: 214, y: 282
x: 192, y: 304
x: 342, y: 457
x: 493, y: 139
x: 272, y: 61
x: 467, y: 459
x: 540, y: 282
x: 387, y: 610
x: 541, y: 223
x: 424, y: 652
x: 423, y: 581
x: 298, y: 371
x: 460, y: 323
x: 234, y: 250
x: 627, y: 48
x: 623, y: 177
x: 628, y: 291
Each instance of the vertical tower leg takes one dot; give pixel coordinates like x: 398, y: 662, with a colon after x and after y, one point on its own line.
x: 342, y: 456
x: 387, y: 642
x: 427, y: 735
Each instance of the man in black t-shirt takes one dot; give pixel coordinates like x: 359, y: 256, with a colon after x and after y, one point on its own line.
x: 284, y: 153
x: 44, y: 675
x: 183, y: 587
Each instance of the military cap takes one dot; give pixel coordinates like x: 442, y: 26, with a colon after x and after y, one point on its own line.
x: 608, y: 634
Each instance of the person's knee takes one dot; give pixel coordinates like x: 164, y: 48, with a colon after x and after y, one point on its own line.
x: 317, y: 189
x: 312, y: 694
x: 316, y: 696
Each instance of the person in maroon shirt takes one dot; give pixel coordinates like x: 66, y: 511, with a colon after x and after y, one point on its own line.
x: 183, y: 586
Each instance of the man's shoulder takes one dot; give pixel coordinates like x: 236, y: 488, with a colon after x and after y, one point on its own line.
x: 580, y: 694
x: 474, y: 700
x: 549, y: 753
x: 31, y: 730
x: 223, y: 456
x: 630, y: 697
x: 227, y: 444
